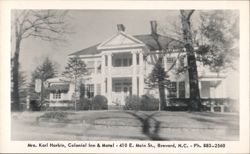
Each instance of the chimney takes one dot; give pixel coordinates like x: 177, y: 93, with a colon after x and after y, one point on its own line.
x: 153, y: 24
x: 120, y: 28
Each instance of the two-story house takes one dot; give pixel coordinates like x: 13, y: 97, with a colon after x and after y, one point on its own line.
x: 120, y: 65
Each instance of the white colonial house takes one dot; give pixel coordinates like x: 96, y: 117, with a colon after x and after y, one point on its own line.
x: 119, y: 66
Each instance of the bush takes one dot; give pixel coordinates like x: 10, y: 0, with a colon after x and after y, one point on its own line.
x: 84, y: 104
x: 132, y: 103
x: 100, y: 103
x: 144, y: 103
x: 149, y: 103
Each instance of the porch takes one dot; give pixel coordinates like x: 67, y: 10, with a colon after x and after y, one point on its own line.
x: 121, y: 88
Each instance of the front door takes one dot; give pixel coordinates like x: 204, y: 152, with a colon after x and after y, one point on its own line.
x: 127, y: 90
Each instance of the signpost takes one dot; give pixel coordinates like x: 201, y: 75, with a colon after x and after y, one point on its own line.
x: 38, y: 85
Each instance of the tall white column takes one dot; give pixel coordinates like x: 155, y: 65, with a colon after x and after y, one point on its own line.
x: 103, y: 68
x: 134, y: 77
x: 141, y: 75
x: 109, y: 94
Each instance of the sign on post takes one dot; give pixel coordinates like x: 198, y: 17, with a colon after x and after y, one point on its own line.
x: 38, y: 85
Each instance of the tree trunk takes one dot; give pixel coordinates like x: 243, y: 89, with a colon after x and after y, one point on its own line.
x: 15, y: 71
x: 161, y: 89
x: 162, y: 96
x: 42, y: 92
x: 195, y: 104
x: 75, y: 92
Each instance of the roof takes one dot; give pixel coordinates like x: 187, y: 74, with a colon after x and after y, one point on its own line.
x: 58, y: 79
x: 58, y: 87
x: 92, y: 50
x: 147, y: 39
x: 165, y: 42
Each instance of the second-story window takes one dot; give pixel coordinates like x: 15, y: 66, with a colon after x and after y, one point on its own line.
x: 91, y: 66
x: 99, y: 66
x: 118, y: 62
x: 106, y: 60
x: 125, y: 62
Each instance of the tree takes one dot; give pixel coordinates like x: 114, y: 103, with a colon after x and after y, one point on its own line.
x: 195, y: 103
x: 43, y: 72
x: 74, y: 69
x: 47, y: 25
x: 218, y: 42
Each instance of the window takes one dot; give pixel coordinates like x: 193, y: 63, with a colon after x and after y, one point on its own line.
x: 125, y: 62
x: 90, y: 67
x: 122, y: 62
x: 130, y: 61
x: 172, y: 90
x: 170, y: 59
x: 99, y: 66
x: 90, y: 90
x: 182, y: 62
x: 182, y: 89
x: 118, y: 62
x: 57, y: 95
x: 106, y: 60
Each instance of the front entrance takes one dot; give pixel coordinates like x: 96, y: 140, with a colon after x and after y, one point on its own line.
x: 121, y: 88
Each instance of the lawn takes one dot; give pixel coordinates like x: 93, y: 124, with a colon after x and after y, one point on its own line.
x: 125, y: 125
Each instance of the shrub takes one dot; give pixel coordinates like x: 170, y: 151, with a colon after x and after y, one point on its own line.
x: 84, y: 104
x: 100, y: 103
x: 149, y: 103
x: 132, y: 103
x: 144, y: 103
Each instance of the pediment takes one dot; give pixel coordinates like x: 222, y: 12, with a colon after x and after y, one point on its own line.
x: 120, y: 40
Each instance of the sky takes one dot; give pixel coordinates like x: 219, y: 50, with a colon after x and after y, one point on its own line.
x: 89, y: 27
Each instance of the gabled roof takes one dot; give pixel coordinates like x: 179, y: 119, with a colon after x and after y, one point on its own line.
x: 147, y: 39
x: 120, y: 40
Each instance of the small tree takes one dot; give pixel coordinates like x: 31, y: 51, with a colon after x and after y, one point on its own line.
x: 43, y: 72
x: 159, y: 79
x: 74, y: 69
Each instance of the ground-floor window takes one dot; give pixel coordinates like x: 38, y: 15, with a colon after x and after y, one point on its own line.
x: 90, y: 90
x: 57, y: 95
x: 182, y: 91
x: 172, y: 93
x: 177, y: 90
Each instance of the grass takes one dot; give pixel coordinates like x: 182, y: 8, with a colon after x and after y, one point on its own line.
x: 122, y: 125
